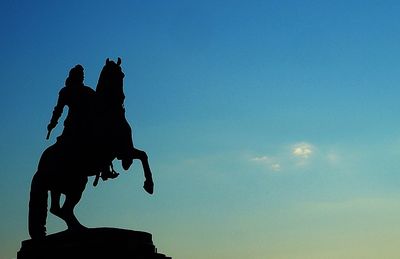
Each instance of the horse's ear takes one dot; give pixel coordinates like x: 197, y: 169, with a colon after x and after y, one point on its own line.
x: 119, y: 61
x: 107, y: 60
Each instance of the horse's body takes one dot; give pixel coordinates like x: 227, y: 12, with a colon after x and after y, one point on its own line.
x: 65, y: 166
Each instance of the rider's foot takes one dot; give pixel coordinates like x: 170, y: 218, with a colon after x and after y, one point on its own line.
x: 149, y: 186
x: 105, y: 175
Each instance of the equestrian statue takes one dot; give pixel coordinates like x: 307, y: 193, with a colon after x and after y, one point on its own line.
x: 96, y: 132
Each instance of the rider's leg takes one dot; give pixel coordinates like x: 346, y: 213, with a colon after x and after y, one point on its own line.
x: 126, y: 163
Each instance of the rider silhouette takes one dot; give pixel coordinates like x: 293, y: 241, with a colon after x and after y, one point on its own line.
x: 80, y: 100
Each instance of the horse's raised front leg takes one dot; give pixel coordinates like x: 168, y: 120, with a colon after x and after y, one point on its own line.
x: 148, y: 183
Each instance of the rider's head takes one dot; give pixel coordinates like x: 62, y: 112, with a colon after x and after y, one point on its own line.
x: 75, y: 76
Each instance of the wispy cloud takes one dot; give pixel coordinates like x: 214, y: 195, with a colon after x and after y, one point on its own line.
x: 270, y: 162
x: 302, y: 155
x: 293, y: 156
x: 260, y: 159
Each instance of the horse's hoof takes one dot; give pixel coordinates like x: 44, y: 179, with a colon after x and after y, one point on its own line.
x: 38, y: 233
x: 77, y: 228
x: 149, y: 186
x: 38, y: 236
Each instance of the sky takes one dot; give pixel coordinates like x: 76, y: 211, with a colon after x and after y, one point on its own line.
x: 271, y: 127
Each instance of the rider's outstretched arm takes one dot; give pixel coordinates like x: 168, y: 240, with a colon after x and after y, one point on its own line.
x: 57, y: 112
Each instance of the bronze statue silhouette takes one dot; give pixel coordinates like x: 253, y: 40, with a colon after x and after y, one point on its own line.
x: 87, y: 147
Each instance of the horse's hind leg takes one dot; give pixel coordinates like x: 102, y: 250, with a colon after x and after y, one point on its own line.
x: 67, y: 211
x: 55, y: 202
x: 72, y: 197
x: 142, y: 156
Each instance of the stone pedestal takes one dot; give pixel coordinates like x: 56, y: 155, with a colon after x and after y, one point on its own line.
x: 96, y: 243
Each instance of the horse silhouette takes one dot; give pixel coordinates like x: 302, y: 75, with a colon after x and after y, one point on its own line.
x: 64, y: 168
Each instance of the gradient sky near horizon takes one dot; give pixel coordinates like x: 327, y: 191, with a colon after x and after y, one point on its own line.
x: 272, y: 127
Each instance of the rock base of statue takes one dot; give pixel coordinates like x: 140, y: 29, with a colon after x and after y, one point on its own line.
x: 95, y: 243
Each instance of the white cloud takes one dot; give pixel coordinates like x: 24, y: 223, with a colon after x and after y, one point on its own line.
x: 303, y: 150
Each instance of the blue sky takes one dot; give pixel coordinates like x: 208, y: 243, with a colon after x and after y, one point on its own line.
x: 271, y: 126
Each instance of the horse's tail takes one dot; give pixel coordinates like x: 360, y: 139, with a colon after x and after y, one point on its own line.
x: 37, y: 207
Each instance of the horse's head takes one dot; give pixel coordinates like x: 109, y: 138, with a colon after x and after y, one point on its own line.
x: 114, y: 69
x: 110, y: 84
